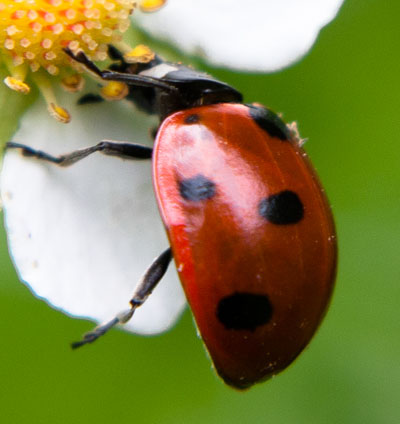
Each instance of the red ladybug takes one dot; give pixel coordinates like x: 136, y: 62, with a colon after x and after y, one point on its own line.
x: 250, y: 228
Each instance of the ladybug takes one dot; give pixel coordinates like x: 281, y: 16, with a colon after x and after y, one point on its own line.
x: 250, y: 228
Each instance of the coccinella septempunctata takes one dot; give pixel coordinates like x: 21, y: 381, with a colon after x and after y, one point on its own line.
x: 250, y: 228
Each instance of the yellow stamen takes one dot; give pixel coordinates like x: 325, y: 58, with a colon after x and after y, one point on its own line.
x: 17, y: 78
x: 114, y: 90
x: 140, y: 54
x: 151, y: 5
x: 73, y: 83
x: 17, y: 85
x: 43, y: 83
x: 59, y: 113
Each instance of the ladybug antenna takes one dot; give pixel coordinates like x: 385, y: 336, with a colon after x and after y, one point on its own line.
x: 130, y: 79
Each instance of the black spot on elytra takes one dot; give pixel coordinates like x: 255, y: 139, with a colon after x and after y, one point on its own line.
x: 244, y: 311
x: 282, y: 208
x: 194, y: 118
x: 197, y: 188
x: 269, y: 122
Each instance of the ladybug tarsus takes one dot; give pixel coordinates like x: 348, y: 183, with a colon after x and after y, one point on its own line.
x: 30, y: 152
x: 143, y: 289
x: 99, y: 331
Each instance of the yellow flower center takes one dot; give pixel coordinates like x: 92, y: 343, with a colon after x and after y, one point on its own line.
x: 34, y: 34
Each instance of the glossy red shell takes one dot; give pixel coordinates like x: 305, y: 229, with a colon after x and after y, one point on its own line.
x: 222, y: 246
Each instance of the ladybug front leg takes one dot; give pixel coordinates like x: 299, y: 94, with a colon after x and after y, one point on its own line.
x: 127, y: 78
x: 143, y: 289
x: 107, y: 147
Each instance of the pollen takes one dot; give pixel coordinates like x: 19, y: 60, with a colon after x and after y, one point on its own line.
x: 17, y: 85
x: 151, y: 5
x: 140, y: 53
x: 114, y: 90
x: 35, y: 33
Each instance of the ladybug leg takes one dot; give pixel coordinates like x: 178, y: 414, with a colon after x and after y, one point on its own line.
x: 127, y: 78
x: 110, y: 148
x: 143, y: 289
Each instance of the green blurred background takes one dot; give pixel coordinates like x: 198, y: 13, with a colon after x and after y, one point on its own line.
x: 345, y: 96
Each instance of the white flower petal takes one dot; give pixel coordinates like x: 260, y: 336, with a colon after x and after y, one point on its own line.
x: 82, y: 236
x: 262, y: 35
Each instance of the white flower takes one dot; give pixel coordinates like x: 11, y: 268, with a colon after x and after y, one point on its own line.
x: 258, y: 35
x: 81, y: 237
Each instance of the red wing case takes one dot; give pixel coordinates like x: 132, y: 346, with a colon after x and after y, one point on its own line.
x: 251, y: 232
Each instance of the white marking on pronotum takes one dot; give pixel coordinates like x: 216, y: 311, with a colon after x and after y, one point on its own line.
x: 159, y: 71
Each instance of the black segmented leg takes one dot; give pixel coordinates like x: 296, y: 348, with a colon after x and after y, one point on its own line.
x: 130, y: 79
x: 114, y: 53
x: 143, y: 289
x: 110, y: 148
